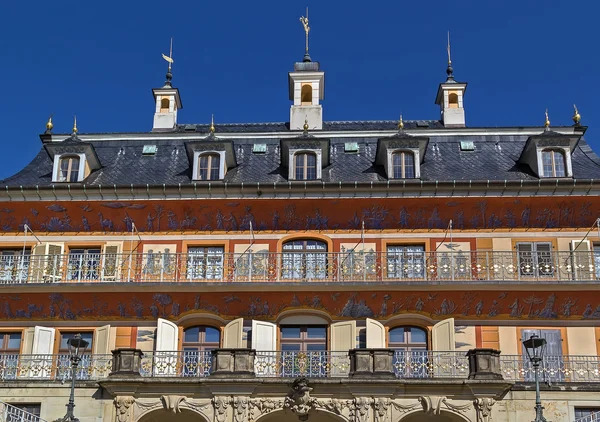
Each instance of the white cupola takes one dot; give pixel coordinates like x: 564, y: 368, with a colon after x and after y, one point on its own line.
x: 168, y: 102
x: 450, y: 96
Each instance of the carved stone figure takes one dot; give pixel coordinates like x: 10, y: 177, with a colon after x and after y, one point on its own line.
x: 240, y: 407
x: 299, y: 400
x: 483, y: 407
x: 381, y: 407
x: 361, y: 409
x: 123, y: 407
x: 221, y: 404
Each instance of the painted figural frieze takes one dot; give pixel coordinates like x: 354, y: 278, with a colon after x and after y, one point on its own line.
x: 526, y: 305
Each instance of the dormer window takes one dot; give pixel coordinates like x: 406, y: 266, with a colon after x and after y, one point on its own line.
x: 403, y: 165
x: 69, y: 169
x: 209, y: 166
x: 553, y: 162
x: 305, y: 165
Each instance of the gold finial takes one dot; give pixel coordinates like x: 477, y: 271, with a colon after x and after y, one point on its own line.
x: 576, y: 116
x: 75, y: 125
x: 305, y: 127
x: 448, y: 48
x: 212, y: 124
x: 401, y: 123
x: 169, y: 58
x: 304, y: 20
x: 49, y: 124
x: 547, y: 122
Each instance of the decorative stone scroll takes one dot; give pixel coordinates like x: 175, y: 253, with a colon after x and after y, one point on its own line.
x: 123, y: 408
x: 483, y: 407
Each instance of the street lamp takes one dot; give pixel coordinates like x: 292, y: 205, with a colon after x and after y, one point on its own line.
x: 77, y: 347
x: 535, y: 347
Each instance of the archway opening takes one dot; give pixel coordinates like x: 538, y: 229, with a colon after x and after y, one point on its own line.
x: 442, y: 417
x: 314, y: 416
x: 163, y: 415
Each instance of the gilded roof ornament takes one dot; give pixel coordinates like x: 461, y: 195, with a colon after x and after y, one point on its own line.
x: 401, y: 123
x: 75, y: 130
x: 211, y: 129
x: 49, y: 125
x: 547, y: 122
x: 449, y: 69
x: 305, y: 127
x: 576, y: 116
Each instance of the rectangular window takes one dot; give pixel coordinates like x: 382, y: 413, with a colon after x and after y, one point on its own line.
x: 10, y: 342
x: 406, y: 261
x: 205, y: 263
x: 31, y: 408
x: 66, y: 336
x: 535, y: 259
x: 553, y: 364
x: 303, y: 338
x: 592, y: 414
x: 14, y: 265
x: 84, y: 264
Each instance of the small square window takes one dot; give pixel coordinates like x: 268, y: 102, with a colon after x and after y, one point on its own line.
x: 149, y: 150
x: 467, y: 146
x: 351, y: 147
x: 259, y: 148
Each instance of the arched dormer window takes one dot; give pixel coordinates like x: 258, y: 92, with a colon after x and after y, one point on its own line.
x: 403, y: 165
x: 553, y: 162
x: 306, y: 94
x: 164, y: 105
x: 68, y: 169
x: 305, y: 166
x: 453, y: 100
x: 209, y: 166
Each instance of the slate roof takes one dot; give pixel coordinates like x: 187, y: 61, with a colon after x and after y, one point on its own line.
x: 495, y: 158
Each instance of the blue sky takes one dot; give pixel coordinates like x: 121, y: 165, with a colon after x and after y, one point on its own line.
x: 99, y: 60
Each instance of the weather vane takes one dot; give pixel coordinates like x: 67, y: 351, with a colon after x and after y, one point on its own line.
x: 169, y: 58
x: 448, y: 48
x: 304, y: 21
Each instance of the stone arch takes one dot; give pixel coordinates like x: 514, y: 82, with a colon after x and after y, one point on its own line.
x: 163, y: 415
x: 417, y: 320
x: 315, y: 316
x: 320, y: 415
x: 440, y: 415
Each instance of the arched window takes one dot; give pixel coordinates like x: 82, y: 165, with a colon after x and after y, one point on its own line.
x: 305, y: 165
x: 410, y: 351
x: 304, y: 259
x: 198, y: 341
x: 453, y: 100
x: 306, y: 94
x: 403, y: 165
x: 69, y: 169
x: 164, y: 105
x: 209, y: 166
x: 554, y: 163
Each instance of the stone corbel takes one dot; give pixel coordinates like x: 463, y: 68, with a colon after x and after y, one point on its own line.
x: 123, y: 408
x: 240, y: 409
x: 360, y: 410
x: 432, y: 404
x: 172, y: 403
x: 221, y: 405
x: 381, y: 409
x: 483, y: 407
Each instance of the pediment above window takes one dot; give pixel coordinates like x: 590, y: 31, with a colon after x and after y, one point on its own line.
x: 401, y: 155
x: 549, y: 154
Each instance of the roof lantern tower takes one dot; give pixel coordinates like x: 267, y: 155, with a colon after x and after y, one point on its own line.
x: 306, y: 86
x: 167, y: 100
x: 450, y: 96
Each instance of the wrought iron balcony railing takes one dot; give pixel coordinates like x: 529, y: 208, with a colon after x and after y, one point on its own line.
x: 413, y: 267
x: 592, y: 417
x: 411, y: 364
x: 10, y: 413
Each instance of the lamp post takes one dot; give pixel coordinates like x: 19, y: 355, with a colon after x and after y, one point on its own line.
x: 535, y: 352
x: 77, y: 347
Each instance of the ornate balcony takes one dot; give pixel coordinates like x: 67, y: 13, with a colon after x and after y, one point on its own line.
x: 295, y: 267
x: 199, y: 364
x: 10, y: 413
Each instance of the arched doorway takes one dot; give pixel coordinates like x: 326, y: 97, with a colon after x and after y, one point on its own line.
x: 163, y: 415
x: 314, y: 416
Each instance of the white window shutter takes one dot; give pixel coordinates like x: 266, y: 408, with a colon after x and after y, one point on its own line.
x: 112, y: 260
x: 40, y: 360
x: 343, y: 338
x: 54, y: 262
x: 167, y: 342
x: 167, y: 336
x: 442, y: 336
x: 27, y: 346
x: 232, y: 334
x: 38, y: 262
x: 101, y: 342
x: 264, y: 341
x: 375, y: 334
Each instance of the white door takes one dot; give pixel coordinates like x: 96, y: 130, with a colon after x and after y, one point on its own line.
x: 264, y: 341
x: 375, y: 334
x: 39, y: 364
x: 165, y: 362
x: 233, y: 333
x: 343, y: 338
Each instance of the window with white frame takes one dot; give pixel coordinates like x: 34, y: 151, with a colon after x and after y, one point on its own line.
x: 403, y: 165
x: 68, y: 169
x: 305, y: 166
x: 553, y: 163
x: 209, y: 165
